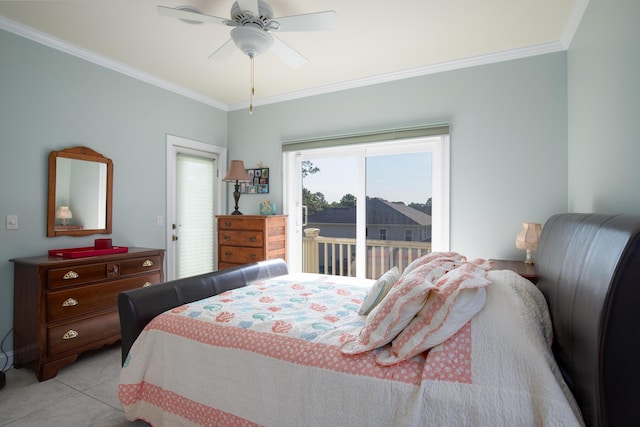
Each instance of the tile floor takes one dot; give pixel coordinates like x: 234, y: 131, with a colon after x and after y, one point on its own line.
x: 84, y: 393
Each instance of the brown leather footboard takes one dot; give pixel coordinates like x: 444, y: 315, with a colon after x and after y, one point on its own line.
x: 138, y: 306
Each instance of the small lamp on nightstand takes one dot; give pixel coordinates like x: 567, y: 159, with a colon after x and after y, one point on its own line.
x: 236, y: 173
x: 528, y: 238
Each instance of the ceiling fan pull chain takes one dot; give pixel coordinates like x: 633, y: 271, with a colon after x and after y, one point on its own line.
x: 252, y: 87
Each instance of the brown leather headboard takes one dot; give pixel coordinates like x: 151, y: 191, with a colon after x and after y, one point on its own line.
x: 589, y: 271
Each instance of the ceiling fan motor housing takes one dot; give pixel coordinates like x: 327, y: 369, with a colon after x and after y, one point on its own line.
x: 251, y: 40
x: 243, y: 17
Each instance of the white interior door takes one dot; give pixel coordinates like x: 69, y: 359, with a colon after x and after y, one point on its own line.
x: 194, y: 197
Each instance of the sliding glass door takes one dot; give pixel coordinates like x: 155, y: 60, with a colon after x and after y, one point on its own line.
x: 359, y: 210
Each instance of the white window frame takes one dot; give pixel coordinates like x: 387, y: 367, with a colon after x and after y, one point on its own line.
x: 292, y: 190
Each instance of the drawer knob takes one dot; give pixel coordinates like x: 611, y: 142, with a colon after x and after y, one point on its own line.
x: 228, y: 253
x: 226, y: 237
x: 69, y: 335
x: 70, y: 275
x: 147, y: 284
x: 228, y: 223
x: 253, y: 238
x: 70, y: 302
x: 147, y: 263
x: 253, y: 256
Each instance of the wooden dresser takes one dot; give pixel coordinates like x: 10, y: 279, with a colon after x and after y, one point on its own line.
x: 63, y: 307
x: 250, y: 238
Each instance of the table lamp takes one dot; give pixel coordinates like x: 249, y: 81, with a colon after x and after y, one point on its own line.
x: 236, y: 173
x: 528, y: 238
x: 64, y: 213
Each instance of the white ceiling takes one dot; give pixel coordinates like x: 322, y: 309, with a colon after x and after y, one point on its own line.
x: 376, y: 41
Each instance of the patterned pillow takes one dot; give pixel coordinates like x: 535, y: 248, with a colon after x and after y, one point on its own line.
x: 432, y: 256
x: 395, y: 311
x: 459, y: 295
x: 378, y: 290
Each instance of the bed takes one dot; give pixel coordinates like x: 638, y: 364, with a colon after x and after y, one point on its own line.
x: 281, y: 349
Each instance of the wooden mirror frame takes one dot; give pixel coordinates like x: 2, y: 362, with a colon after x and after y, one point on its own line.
x: 79, y: 153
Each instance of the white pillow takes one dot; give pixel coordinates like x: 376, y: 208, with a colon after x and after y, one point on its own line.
x: 459, y: 295
x: 378, y: 290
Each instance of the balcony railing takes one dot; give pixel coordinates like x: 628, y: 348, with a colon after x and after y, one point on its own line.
x: 336, y: 255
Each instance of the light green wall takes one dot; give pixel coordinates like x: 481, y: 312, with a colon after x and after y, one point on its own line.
x: 508, y: 141
x: 50, y: 100
x: 604, y: 109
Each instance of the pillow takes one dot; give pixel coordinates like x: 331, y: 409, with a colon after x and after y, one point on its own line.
x: 458, y: 296
x: 431, y: 257
x: 378, y: 290
x: 395, y: 312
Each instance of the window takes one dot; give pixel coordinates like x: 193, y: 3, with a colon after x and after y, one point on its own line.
x: 356, y: 180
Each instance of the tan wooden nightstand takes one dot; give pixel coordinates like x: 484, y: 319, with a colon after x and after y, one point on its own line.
x: 527, y: 271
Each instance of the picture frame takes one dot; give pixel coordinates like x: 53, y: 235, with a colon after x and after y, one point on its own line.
x: 259, y: 183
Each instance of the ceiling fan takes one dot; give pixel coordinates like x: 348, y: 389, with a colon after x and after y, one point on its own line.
x: 253, y: 24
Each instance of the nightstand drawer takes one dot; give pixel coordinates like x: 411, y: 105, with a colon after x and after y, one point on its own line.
x: 242, y: 238
x: 240, y: 255
x: 87, y: 299
x: 72, y: 335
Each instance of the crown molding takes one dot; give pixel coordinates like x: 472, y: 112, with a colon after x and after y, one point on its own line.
x: 507, y: 55
x: 573, y: 22
x: 71, y: 49
x: 474, y: 61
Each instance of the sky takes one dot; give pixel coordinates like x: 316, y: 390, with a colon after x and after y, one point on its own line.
x: 398, y: 177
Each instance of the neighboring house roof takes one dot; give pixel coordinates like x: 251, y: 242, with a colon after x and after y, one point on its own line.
x: 379, y: 211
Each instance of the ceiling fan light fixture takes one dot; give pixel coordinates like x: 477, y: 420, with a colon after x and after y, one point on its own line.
x: 251, y: 40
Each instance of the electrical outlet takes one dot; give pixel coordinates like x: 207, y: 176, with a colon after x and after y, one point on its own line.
x: 12, y: 222
x: 159, y: 220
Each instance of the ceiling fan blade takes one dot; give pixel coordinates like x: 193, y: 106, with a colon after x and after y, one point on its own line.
x: 318, y: 21
x: 250, y: 6
x: 224, y: 52
x: 192, y: 16
x: 288, y: 54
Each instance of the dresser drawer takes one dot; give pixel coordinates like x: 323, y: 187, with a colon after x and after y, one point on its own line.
x: 87, y: 299
x: 240, y: 224
x: 68, y: 337
x: 76, y: 275
x: 240, y: 255
x: 81, y: 274
x: 242, y: 238
x: 139, y: 265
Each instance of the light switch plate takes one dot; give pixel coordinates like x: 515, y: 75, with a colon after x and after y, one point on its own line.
x: 12, y: 222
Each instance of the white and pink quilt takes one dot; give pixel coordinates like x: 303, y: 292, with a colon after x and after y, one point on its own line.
x: 269, y: 354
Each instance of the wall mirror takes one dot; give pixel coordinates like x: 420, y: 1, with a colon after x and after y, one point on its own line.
x: 80, y: 193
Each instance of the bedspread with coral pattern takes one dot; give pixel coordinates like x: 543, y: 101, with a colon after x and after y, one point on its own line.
x: 269, y: 354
